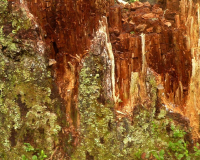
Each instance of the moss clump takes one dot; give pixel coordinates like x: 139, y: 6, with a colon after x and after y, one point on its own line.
x: 25, y: 104
x: 95, y: 117
x: 26, y: 109
x: 103, y: 138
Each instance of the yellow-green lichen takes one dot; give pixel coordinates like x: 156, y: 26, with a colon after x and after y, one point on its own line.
x: 27, y: 112
x: 102, y: 137
x: 96, y: 114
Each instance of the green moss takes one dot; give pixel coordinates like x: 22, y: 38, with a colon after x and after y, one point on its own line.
x: 95, y: 117
x: 152, y: 88
x: 102, y: 137
x: 25, y: 103
x: 26, y: 109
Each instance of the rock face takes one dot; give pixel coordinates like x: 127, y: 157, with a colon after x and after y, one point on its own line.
x: 113, y: 77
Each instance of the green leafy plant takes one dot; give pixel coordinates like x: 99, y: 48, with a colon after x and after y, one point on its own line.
x: 179, y: 146
x: 28, y: 147
x: 38, y: 154
x: 180, y: 149
x: 160, y: 155
x: 154, y: 129
x: 24, y: 157
x: 138, y: 154
x: 41, y: 155
x: 197, y: 151
x: 178, y: 133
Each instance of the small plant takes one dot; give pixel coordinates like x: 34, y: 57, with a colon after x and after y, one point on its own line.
x: 178, y: 133
x: 160, y: 155
x: 154, y: 128
x: 197, y: 150
x: 28, y: 147
x: 24, y: 157
x: 180, y: 149
x: 138, y: 154
x: 38, y: 154
x: 132, y: 32
x: 178, y: 145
